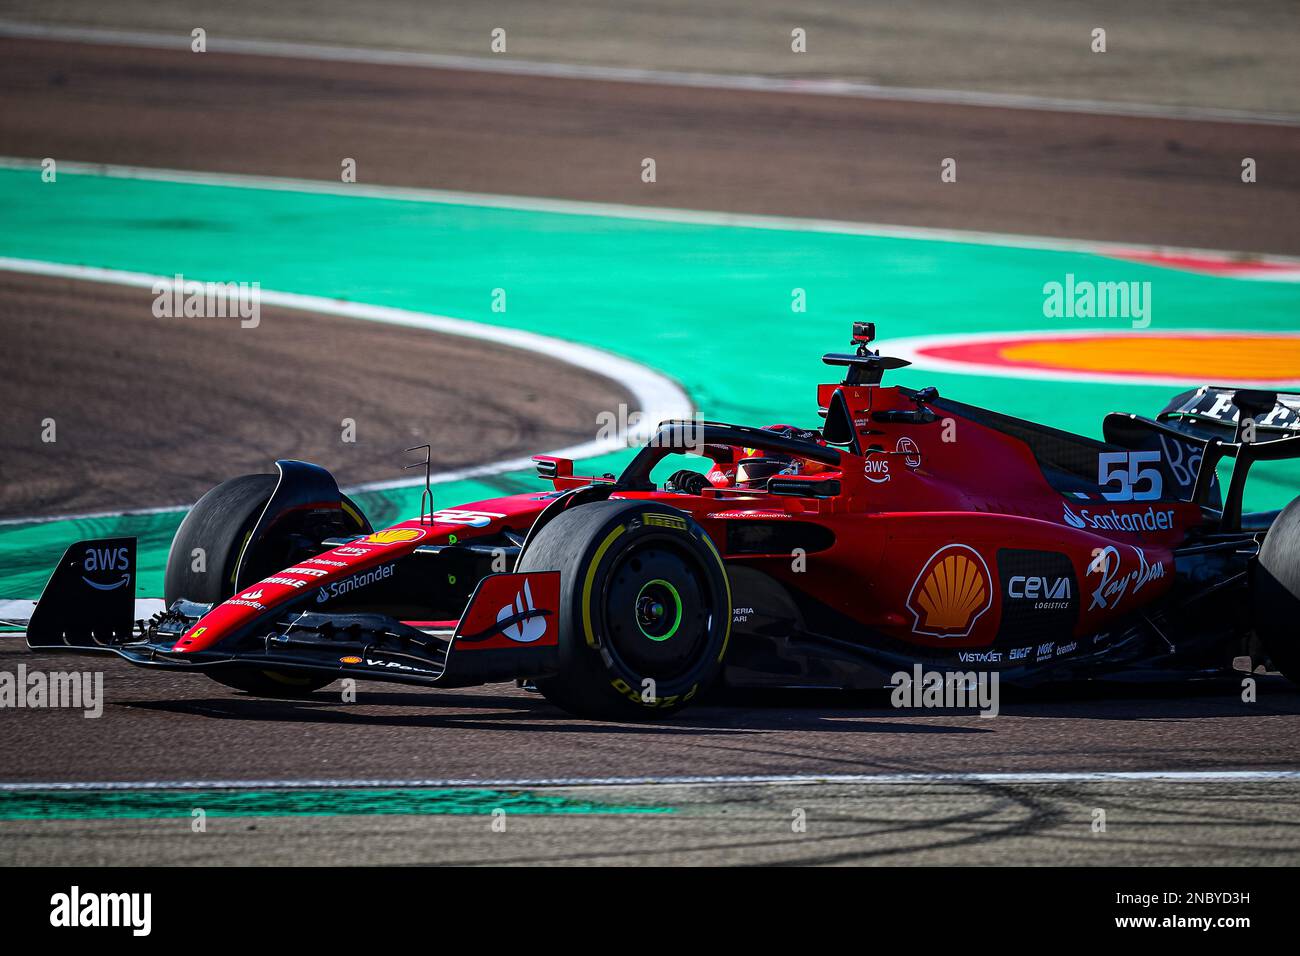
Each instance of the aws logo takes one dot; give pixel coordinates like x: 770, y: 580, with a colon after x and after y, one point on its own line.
x: 98, y: 560
x: 876, y: 470
x: 950, y: 593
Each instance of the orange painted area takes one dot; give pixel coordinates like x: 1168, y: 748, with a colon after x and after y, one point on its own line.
x: 1228, y: 357
x: 1259, y: 357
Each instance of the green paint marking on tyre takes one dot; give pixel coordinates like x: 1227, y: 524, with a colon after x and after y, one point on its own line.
x: 653, y: 291
x: 164, y: 804
x: 656, y: 609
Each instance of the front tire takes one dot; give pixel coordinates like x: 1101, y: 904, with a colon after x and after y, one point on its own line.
x: 645, y: 608
x: 204, y: 558
x: 1275, y: 592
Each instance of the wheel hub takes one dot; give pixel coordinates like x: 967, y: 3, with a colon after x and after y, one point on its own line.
x: 657, y: 611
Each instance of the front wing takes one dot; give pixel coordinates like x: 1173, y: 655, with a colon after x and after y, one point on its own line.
x: 509, y: 629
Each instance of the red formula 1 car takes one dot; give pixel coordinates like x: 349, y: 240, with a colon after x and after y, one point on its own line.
x: 907, y: 529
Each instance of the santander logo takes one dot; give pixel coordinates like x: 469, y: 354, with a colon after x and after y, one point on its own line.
x: 1152, y: 518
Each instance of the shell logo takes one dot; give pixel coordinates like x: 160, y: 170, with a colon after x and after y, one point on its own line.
x: 394, y: 536
x: 950, y: 593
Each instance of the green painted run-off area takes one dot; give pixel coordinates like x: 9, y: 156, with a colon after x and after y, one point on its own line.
x: 150, y: 804
x: 709, y: 305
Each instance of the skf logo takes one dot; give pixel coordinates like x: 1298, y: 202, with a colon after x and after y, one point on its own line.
x: 527, y: 630
x: 950, y: 593
x: 665, y: 521
x: 107, y: 559
x: 394, y: 536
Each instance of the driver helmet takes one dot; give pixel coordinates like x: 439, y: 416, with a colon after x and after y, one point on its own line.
x: 754, y: 466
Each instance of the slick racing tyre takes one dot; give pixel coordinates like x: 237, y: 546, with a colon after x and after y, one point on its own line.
x: 219, y: 524
x: 645, y: 608
x: 1275, y: 592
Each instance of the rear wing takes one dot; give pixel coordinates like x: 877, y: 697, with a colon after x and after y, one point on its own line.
x: 1227, y: 412
x: 1200, y: 427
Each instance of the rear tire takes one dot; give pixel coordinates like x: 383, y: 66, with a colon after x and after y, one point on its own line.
x: 1275, y: 592
x: 219, y: 524
x: 645, y: 608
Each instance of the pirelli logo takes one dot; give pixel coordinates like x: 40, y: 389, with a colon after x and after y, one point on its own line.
x: 665, y: 521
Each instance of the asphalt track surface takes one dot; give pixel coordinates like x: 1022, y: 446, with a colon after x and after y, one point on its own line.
x: 1164, y: 182
x: 183, y: 728
x: 1040, y: 173
x: 1186, y: 53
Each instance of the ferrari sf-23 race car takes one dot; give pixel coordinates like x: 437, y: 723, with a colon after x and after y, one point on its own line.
x: 908, y: 529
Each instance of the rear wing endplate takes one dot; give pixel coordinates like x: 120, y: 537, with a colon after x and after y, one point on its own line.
x: 1202, y: 426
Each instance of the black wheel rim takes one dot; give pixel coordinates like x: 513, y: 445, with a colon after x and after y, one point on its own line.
x: 657, y: 609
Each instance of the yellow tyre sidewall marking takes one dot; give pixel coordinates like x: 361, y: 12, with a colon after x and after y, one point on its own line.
x: 726, y: 581
x: 591, y: 577
x: 353, y: 514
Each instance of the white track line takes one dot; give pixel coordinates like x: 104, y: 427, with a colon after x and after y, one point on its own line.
x: 741, y: 82
x: 575, y: 207
x: 800, y: 779
x: 21, y: 611
x: 655, y: 395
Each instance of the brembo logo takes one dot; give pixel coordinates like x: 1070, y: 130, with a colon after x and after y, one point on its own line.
x: 106, y: 559
x: 1149, y: 520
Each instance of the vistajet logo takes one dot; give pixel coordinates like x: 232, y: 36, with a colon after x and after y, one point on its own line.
x: 77, y: 909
